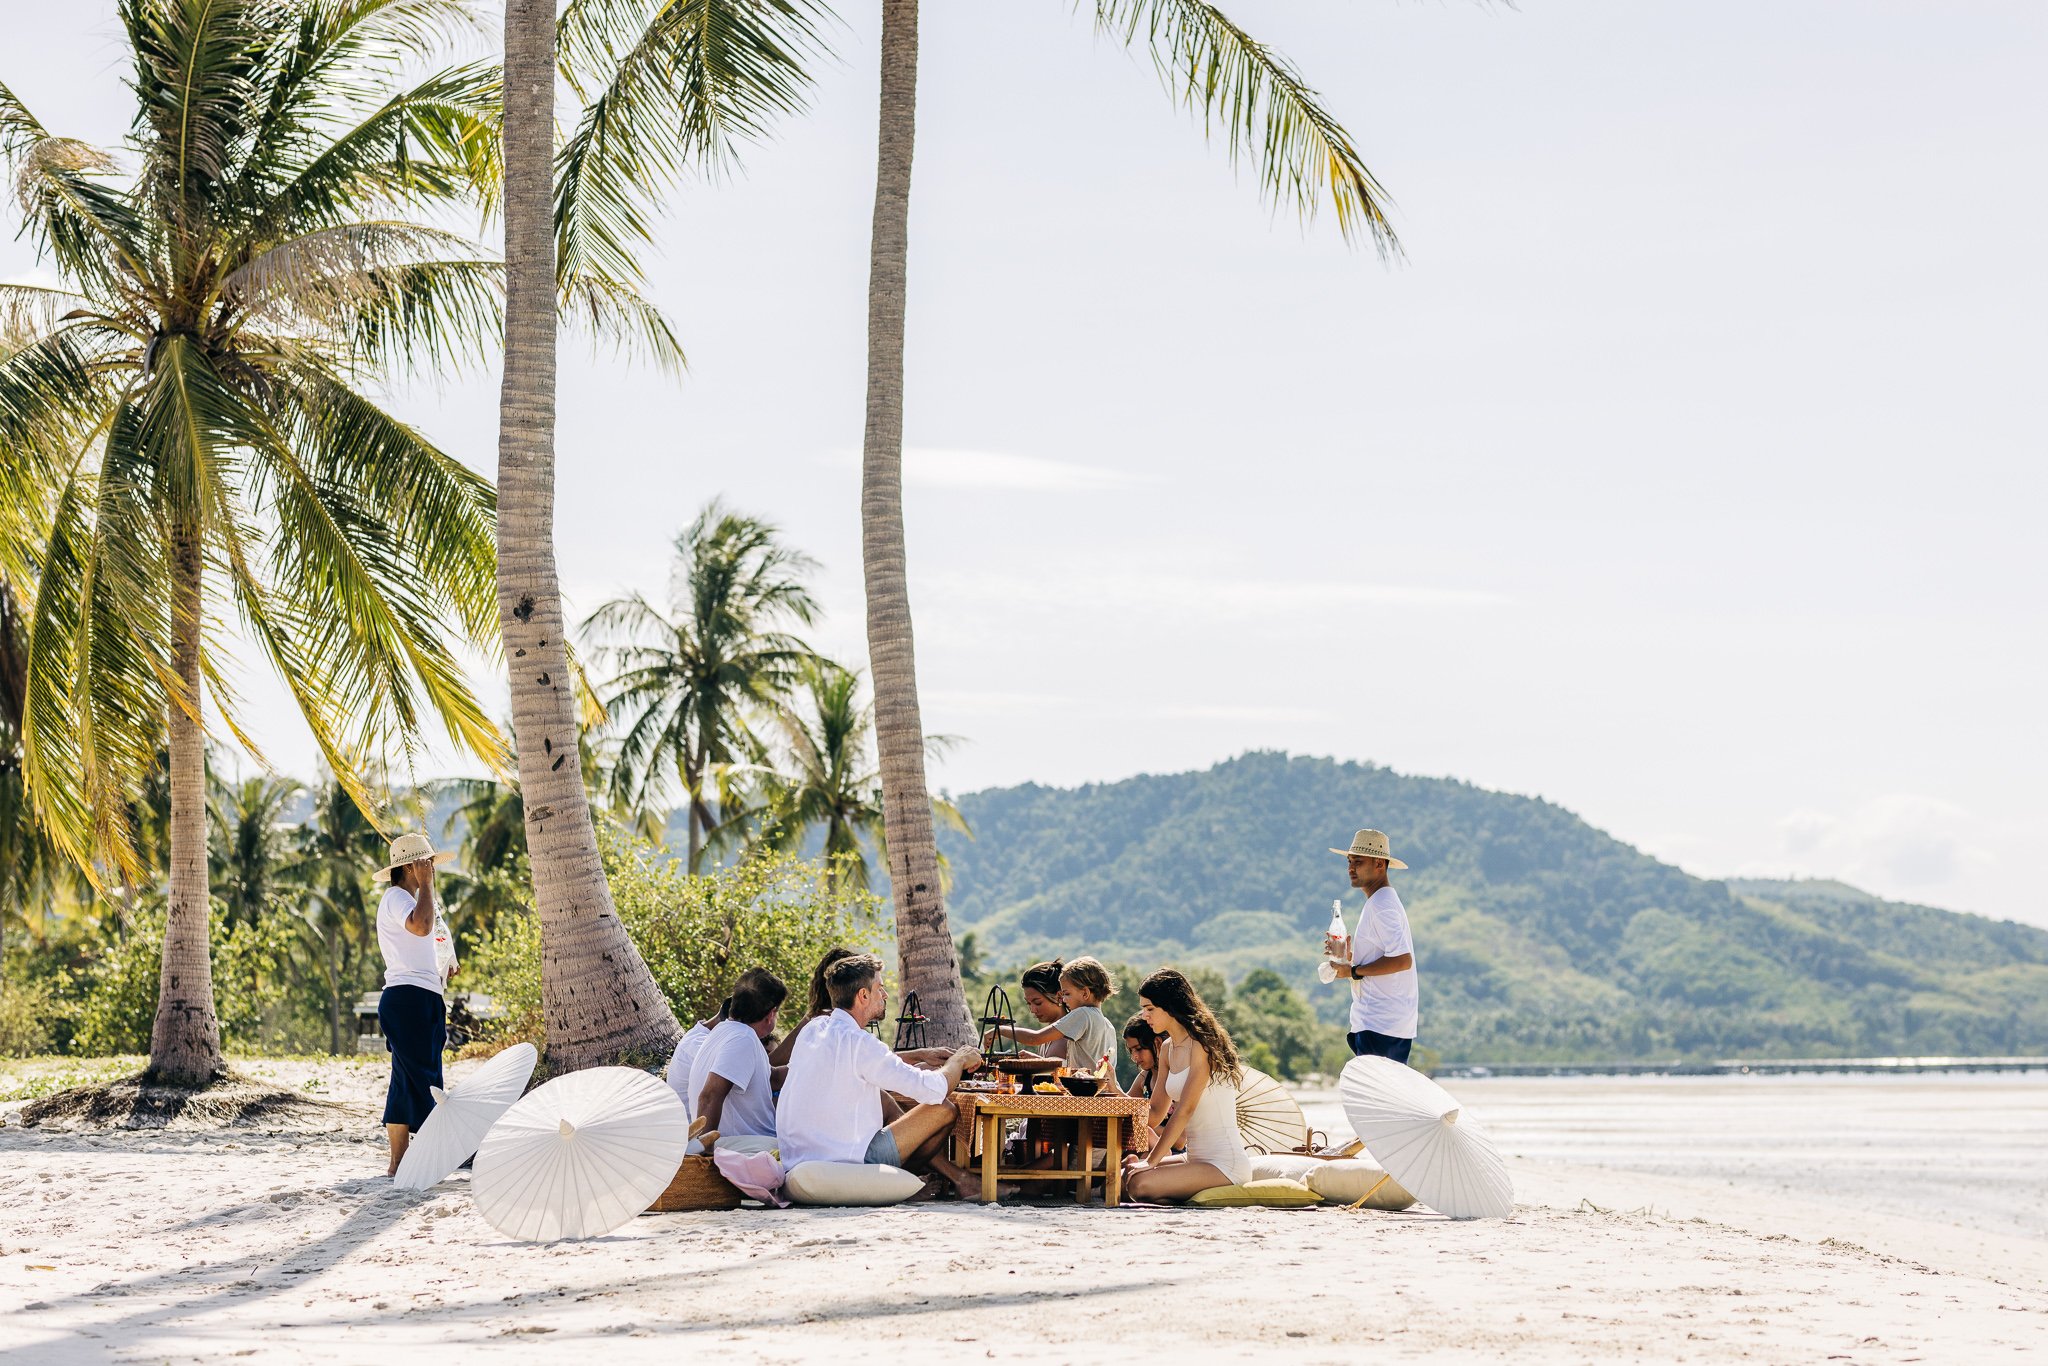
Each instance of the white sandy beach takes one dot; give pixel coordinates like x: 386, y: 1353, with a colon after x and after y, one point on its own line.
x: 1682, y: 1233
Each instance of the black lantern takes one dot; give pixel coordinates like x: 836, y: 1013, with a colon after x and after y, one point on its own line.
x: 995, y: 1018
x: 910, y: 1023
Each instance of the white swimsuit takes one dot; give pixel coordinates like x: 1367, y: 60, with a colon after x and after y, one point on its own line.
x: 1211, y: 1134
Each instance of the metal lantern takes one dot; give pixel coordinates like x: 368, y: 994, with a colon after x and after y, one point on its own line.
x: 910, y: 1023
x: 996, y: 1017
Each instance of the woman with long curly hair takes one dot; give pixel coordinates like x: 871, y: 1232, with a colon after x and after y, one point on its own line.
x: 1201, y: 1071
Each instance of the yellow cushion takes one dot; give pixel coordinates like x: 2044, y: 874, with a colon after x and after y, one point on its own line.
x: 1274, y: 1193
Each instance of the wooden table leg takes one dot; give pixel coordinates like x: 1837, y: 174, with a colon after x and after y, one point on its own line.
x: 991, y: 1148
x: 1113, y: 1181
x: 1087, y: 1181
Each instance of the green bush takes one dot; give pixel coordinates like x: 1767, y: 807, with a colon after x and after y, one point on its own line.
x: 27, y: 1017
x: 696, y: 932
x: 114, y: 998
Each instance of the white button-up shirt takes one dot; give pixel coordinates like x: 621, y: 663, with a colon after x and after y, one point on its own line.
x: 831, y: 1102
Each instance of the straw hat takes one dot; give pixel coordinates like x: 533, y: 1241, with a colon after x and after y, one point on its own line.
x: 411, y: 849
x: 1370, y: 844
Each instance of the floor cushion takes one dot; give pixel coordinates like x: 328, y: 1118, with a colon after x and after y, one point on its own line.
x: 849, y: 1183
x: 1349, y: 1180
x: 747, y: 1143
x: 1282, y: 1167
x: 1273, y: 1193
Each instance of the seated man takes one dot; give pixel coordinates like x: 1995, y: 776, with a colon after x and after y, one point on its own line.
x: 730, y: 1080
x: 831, y: 1107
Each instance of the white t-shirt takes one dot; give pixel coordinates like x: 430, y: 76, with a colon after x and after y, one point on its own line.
x: 832, y: 1098
x: 1387, y: 1004
x: 678, y: 1073
x: 734, y: 1051
x: 408, y: 958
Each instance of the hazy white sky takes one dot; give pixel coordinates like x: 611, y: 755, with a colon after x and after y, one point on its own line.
x: 1686, y: 473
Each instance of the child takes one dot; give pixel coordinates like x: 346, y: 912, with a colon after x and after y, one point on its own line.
x: 1075, y: 1027
x: 1143, y: 1046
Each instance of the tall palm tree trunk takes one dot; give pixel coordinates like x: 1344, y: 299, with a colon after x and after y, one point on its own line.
x: 184, y: 1041
x: 924, y: 945
x: 600, y: 1002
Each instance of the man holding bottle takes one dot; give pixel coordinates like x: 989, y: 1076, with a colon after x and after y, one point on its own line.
x: 1378, y: 959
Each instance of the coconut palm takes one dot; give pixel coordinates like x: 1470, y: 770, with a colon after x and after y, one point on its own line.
x: 831, y: 784
x: 691, y: 682
x: 668, y: 84
x: 249, y: 840
x: 185, y: 436
x: 1265, y: 111
x: 328, y: 866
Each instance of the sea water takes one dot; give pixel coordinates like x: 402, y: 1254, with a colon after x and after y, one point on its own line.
x: 1966, y: 1148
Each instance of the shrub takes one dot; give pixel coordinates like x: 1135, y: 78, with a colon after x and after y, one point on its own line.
x: 697, y: 932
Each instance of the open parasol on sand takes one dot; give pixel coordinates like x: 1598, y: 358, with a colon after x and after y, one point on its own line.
x: 1421, y: 1135
x: 1267, y: 1118
x: 462, y: 1115
x: 581, y: 1155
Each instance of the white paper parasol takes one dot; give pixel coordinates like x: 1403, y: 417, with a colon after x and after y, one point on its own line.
x: 581, y: 1155
x: 1267, y: 1118
x: 1420, y: 1134
x: 461, y: 1116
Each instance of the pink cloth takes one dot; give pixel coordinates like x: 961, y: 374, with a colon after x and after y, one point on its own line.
x: 756, y: 1174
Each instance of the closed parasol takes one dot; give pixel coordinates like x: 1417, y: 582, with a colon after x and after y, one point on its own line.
x: 581, y: 1155
x: 1422, y: 1136
x: 1267, y: 1118
x: 462, y: 1115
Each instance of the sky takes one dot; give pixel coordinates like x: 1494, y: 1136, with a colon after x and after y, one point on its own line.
x: 1684, y: 471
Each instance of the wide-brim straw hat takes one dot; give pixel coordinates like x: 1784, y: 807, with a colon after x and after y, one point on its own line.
x: 411, y: 849
x: 1370, y: 844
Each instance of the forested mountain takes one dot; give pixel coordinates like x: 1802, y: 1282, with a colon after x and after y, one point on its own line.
x: 1538, y: 936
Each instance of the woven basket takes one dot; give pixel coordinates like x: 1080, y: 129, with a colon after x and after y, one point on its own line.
x: 697, y: 1185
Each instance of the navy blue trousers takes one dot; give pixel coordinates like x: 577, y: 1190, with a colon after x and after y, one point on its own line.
x: 1378, y: 1045
x: 415, y: 1024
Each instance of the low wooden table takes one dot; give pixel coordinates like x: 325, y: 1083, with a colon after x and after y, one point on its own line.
x: 981, y: 1118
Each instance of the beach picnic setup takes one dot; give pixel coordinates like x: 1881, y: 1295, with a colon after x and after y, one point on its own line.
x: 830, y: 1114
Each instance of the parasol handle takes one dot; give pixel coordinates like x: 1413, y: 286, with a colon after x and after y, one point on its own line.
x: 1384, y: 1178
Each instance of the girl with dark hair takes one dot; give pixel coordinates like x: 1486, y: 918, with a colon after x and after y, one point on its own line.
x: 1199, y: 1074
x: 1141, y: 1041
x: 1041, y: 983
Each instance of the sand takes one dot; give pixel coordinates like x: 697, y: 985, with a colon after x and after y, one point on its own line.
x: 286, y: 1246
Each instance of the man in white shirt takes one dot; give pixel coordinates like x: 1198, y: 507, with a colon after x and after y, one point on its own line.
x: 831, y: 1108
x: 687, y: 1048
x: 732, y: 1087
x: 1378, y: 959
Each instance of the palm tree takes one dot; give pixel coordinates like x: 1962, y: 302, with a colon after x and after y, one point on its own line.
x: 1266, y: 112
x: 329, y: 860
x: 250, y: 839
x: 185, y: 440
x: 672, y: 90
x: 692, y: 680
x: 832, y: 784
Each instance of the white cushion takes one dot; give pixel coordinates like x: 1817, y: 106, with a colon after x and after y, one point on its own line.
x: 747, y: 1143
x: 1282, y: 1167
x: 848, y: 1183
x: 1347, y: 1181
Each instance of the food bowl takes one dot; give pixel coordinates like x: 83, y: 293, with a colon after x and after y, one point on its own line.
x: 1081, y: 1086
x: 1021, y: 1067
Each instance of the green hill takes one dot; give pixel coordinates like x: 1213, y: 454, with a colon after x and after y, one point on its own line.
x: 1539, y: 937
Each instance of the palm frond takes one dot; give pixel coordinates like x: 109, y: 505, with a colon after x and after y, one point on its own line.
x: 93, y: 232
x: 1264, y: 108
x: 98, y: 661
x: 685, y: 90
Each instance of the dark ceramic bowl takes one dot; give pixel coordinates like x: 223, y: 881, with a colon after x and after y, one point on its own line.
x: 1081, y: 1086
